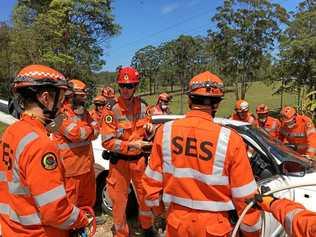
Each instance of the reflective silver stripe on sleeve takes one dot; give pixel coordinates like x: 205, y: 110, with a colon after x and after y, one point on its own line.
x: 153, y: 203
x: 83, y: 133
x: 69, y: 128
x: 194, y: 174
x: 301, y: 146
x: 166, y: 146
x: 289, y: 220
x: 245, y: 190
x: 50, y: 196
x: 15, y: 187
x: 107, y: 137
x: 311, y: 130
x: 143, y: 109
x: 65, y: 146
x: 3, y: 176
x: 198, y: 204
x: 23, y: 143
x: 117, y: 145
x: 72, y: 219
x: 284, y: 132
x: 311, y: 149
x: 221, y: 150
x: 32, y: 219
x: 252, y: 228
x: 146, y: 213
x: 155, y: 175
x: 296, y: 135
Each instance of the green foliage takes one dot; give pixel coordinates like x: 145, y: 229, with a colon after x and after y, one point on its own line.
x: 64, y: 34
x: 297, y: 63
x: 242, y: 45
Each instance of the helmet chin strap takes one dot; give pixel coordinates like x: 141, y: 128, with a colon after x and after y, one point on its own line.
x: 49, y: 115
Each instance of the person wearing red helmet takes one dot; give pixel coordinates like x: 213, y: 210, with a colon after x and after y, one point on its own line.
x: 242, y: 112
x: 99, y: 106
x: 268, y: 123
x: 199, y: 170
x: 74, y: 139
x: 123, y: 129
x: 109, y: 94
x: 299, y: 131
x: 33, y: 199
x: 162, y: 106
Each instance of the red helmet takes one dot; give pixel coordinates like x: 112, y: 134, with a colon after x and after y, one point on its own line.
x: 127, y: 75
x: 39, y: 75
x: 206, y: 84
x: 164, y: 97
x: 262, y: 109
x: 241, y: 106
x: 288, y: 114
x: 108, y: 92
x: 99, y: 100
x: 78, y: 87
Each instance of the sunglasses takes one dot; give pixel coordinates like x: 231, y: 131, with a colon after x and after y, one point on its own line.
x: 127, y: 86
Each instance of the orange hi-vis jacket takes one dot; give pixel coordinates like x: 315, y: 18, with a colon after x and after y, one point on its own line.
x: 296, y: 220
x: 120, y: 127
x: 249, y: 119
x: 201, y: 165
x: 96, y: 115
x: 74, y: 141
x: 302, y: 135
x: 33, y: 199
x: 271, y: 125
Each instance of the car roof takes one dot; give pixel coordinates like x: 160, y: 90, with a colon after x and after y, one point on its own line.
x: 223, y: 121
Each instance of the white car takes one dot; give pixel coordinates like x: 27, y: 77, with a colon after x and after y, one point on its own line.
x: 274, y: 165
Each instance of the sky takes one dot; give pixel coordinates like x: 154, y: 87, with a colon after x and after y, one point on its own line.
x: 151, y: 22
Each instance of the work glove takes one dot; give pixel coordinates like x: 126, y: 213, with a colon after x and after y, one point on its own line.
x: 139, y: 145
x: 264, y: 202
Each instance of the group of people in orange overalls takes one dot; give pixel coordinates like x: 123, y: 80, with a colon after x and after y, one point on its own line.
x: 197, y: 175
x: 295, y: 130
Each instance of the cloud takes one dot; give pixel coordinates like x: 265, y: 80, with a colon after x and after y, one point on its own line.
x: 166, y: 9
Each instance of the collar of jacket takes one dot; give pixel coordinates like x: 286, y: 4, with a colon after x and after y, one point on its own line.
x: 124, y: 106
x: 33, y: 120
x: 200, y: 114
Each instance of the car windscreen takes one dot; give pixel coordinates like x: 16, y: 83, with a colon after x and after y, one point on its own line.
x: 278, y: 149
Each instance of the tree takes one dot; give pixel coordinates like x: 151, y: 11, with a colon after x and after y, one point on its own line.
x: 246, y: 35
x: 146, y: 61
x: 5, y: 65
x: 66, y: 35
x: 298, y: 49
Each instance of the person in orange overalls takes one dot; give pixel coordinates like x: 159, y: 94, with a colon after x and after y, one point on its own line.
x: 242, y: 112
x: 162, y: 106
x: 74, y: 141
x: 123, y: 130
x: 296, y: 220
x: 268, y: 123
x: 109, y: 94
x: 33, y: 199
x: 97, y: 112
x: 298, y: 130
x: 199, y: 170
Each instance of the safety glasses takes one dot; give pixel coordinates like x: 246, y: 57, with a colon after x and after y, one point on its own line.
x: 127, y: 86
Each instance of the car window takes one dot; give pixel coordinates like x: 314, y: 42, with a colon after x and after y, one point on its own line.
x: 278, y: 150
x: 260, y: 163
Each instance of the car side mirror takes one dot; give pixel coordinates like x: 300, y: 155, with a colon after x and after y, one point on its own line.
x: 292, y: 168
